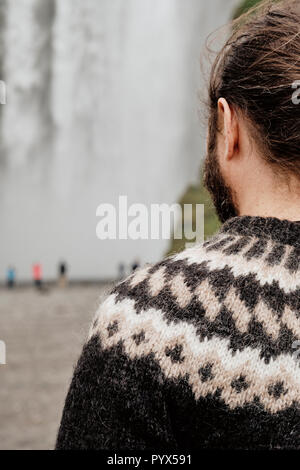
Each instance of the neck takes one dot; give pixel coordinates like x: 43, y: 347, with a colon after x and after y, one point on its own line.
x: 260, y: 209
x: 272, y: 200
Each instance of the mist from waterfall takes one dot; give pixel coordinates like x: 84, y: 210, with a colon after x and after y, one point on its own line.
x: 101, y: 102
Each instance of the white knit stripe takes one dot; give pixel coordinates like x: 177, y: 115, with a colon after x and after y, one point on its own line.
x: 226, y: 365
x: 241, y: 266
x: 291, y: 320
x: 208, y: 300
x: 268, y: 319
x: 156, y: 282
x: 240, y: 313
x: 181, y: 291
x: 139, y: 276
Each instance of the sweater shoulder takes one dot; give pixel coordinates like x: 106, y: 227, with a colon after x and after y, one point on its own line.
x: 221, y: 303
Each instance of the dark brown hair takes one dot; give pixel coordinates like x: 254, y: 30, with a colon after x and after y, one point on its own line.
x: 255, y: 72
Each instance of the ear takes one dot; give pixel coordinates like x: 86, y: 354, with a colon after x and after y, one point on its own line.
x: 229, y: 126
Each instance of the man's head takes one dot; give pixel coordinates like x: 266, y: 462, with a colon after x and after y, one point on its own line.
x: 253, y: 150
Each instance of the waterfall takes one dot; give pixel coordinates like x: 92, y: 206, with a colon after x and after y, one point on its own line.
x: 101, y: 102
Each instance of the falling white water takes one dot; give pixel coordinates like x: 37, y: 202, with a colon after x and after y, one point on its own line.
x: 101, y: 102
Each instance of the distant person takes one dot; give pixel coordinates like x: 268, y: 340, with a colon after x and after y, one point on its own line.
x: 10, y: 277
x: 62, y: 274
x: 37, y: 275
x: 135, y: 265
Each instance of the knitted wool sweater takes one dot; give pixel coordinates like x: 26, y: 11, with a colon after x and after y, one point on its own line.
x: 198, y: 351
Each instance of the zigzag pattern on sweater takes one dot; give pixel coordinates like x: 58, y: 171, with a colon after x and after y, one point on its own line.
x: 230, y: 307
x: 242, y: 377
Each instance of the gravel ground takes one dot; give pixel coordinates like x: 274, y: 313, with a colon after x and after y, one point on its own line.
x: 44, y: 334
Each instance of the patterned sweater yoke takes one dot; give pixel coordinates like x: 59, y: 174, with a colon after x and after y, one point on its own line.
x: 198, y: 351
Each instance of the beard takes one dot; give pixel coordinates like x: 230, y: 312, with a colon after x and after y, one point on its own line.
x: 221, y: 194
